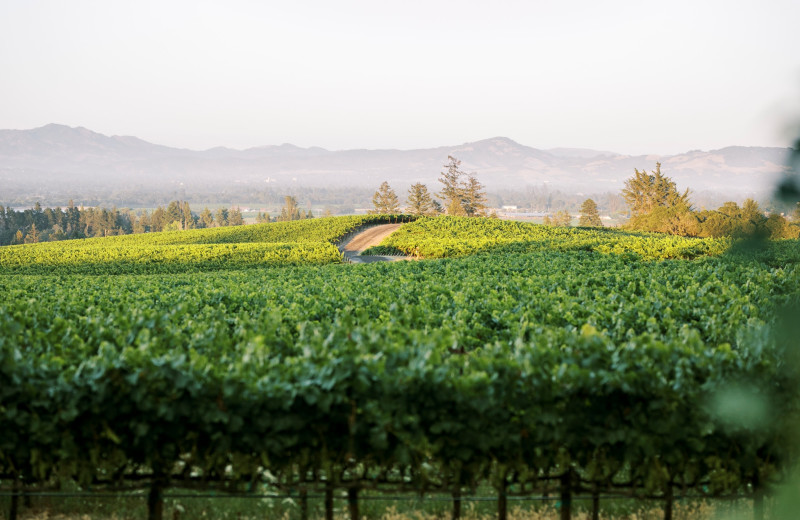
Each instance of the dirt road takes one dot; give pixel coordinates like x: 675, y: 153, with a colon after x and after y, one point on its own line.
x: 370, y: 237
x: 366, y: 239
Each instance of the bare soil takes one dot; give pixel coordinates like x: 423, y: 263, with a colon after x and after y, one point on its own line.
x: 370, y: 237
x: 366, y: 239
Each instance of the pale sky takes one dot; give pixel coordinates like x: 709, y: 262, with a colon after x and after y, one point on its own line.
x: 626, y: 76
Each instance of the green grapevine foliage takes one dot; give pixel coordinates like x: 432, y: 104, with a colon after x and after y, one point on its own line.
x: 520, y: 364
x: 310, y: 241
x: 443, y: 237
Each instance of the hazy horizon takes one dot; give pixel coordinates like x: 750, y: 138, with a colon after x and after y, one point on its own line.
x: 628, y: 77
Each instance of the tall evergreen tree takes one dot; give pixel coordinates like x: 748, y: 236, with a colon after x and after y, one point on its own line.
x: 645, y: 192
x: 206, y: 219
x: 473, y: 198
x: 562, y: 218
x: 385, y: 201
x: 235, y: 217
x: 419, y: 201
x: 461, y: 196
x: 158, y: 219
x: 33, y: 235
x: 590, y: 217
x: 451, y: 186
x: 221, y: 217
x: 187, y: 217
x: 290, y: 210
x: 174, y: 213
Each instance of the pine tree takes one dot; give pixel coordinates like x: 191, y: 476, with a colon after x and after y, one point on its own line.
x: 235, y: 217
x: 33, y: 235
x: 561, y: 218
x: 221, y: 217
x: 419, y: 201
x: 451, y: 186
x: 385, y: 201
x: 206, y: 218
x: 645, y: 192
x: 157, y: 219
x: 174, y: 213
x: 461, y: 197
x: 473, y: 198
x: 187, y: 217
x: 590, y: 217
x: 289, y: 211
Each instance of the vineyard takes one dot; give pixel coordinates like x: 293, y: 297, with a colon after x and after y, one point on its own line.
x: 556, y: 361
x: 445, y: 237
x: 282, y: 243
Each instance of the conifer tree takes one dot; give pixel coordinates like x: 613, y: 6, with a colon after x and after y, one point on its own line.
x: 290, y: 210
x: 187, y: 217
x: 419, y: 201
x: 473, y: 199
x: 157, y: 219
x: 461, y: 197
x: 235, y: 217
x: 221, y: 217
x: 562, y: 218
x: 645, y: 192
x: 590, y: 217
x: 206, y: 219
x: 174, y: 213
x: 33, y: 235
x: 385, y: 201
x: 451, y: 186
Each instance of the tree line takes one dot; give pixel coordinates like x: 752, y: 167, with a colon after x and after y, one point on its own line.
x: 656, y: 204
x: 653, y: 200
x: 50, y: 224
x: 461, y: 194
x: 39, y: 224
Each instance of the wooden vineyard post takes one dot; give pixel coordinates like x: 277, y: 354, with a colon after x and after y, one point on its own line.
x: 155, y: 500
x: 456, y: 514
x: 14, y: 507
x: 595, y: 503
x: 502, y: 502
x: 566, y: 495
x: 758, y: 498
x: 668, y: 502
x: 329, y: 500
x: 304, y: 504
x: 352, y: 502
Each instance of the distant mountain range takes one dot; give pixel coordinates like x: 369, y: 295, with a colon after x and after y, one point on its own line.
x: 62, y: 156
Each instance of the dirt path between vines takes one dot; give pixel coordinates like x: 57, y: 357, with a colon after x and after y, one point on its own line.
x: 366, y: 239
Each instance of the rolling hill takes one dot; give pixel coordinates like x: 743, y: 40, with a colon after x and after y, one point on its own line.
x: 63, y: 157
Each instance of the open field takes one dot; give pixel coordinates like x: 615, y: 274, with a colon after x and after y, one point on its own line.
x: 527, y: 360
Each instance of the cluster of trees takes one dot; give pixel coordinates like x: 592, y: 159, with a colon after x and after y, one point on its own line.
x: 589, y: 216
x: 290, y: 211
x: 560, y: 218
x: 461, y: 194
x: 48, y: 224
x: 51, y: 224
x: 656, y: 205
